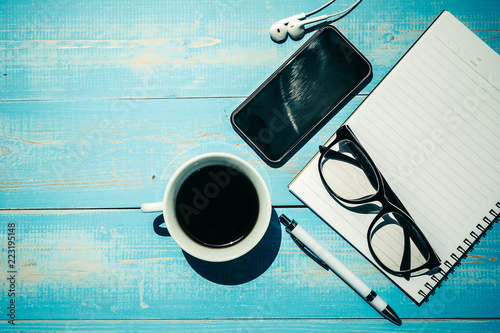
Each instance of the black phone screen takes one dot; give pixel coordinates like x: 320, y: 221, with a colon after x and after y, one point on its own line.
x: 305, y: 90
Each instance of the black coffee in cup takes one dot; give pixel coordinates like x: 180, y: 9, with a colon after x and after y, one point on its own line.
x: 217, y: 205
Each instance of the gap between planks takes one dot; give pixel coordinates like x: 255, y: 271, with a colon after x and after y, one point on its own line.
x: 90, y: 209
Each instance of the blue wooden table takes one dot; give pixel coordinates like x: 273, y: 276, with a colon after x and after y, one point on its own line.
x: 101, y: 101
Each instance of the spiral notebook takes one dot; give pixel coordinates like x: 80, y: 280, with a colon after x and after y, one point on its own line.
x: 432, y: 127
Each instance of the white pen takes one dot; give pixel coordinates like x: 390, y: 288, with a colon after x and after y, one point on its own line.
x: 328, y: 261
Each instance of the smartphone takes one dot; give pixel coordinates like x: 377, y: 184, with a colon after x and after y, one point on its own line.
x: 309, y: 88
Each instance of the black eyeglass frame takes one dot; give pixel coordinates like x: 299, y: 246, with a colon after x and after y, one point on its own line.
x: 387, y: 198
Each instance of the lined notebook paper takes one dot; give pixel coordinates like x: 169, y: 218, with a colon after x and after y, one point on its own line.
x: 432, y: 127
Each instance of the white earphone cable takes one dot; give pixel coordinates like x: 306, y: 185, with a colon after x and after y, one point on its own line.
x: 294, y: 25
x: 320, y: 8
x: 345, y: 10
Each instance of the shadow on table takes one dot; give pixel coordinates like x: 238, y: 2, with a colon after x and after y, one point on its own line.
x: 240, y: 270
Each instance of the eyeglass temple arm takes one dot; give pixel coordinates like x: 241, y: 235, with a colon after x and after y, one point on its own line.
x: 406, y: 259
x: 333, y: 154
x: 411, y: 233
x: 421, y: 246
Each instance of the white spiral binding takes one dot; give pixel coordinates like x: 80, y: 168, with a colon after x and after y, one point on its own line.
x: 462, y: 253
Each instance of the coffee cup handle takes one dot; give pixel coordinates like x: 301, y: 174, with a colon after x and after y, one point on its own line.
x: 152, y: 207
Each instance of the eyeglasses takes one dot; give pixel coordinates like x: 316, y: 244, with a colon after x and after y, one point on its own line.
x: 394, y: 240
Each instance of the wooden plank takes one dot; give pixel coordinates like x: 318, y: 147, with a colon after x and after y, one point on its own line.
x: 100, y: 136
x: 277, y: 325
x: 60, y: 49
x: 110, y: 264
x: 118, y: 153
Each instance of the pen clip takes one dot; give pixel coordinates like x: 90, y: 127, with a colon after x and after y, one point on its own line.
x: 310, y: 253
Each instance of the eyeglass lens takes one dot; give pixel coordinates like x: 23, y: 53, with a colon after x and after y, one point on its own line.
x: 394, y: 240
x: 397, y: 244
x: 348, y: 173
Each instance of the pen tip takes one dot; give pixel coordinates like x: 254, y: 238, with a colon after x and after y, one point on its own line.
x: 390, y: 314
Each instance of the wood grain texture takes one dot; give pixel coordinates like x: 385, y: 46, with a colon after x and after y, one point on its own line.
x: 100, y: 101
x: 275, y: 325
x: 104, y: 127
x: 61, y: 49
x: 122, y: 153
x: 110, y: 264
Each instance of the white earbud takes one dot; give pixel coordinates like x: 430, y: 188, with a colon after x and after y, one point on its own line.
x: 278, y: 31
x: 294, y: 27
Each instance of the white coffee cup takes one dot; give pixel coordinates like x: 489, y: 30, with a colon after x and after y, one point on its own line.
x: 188, y: 244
